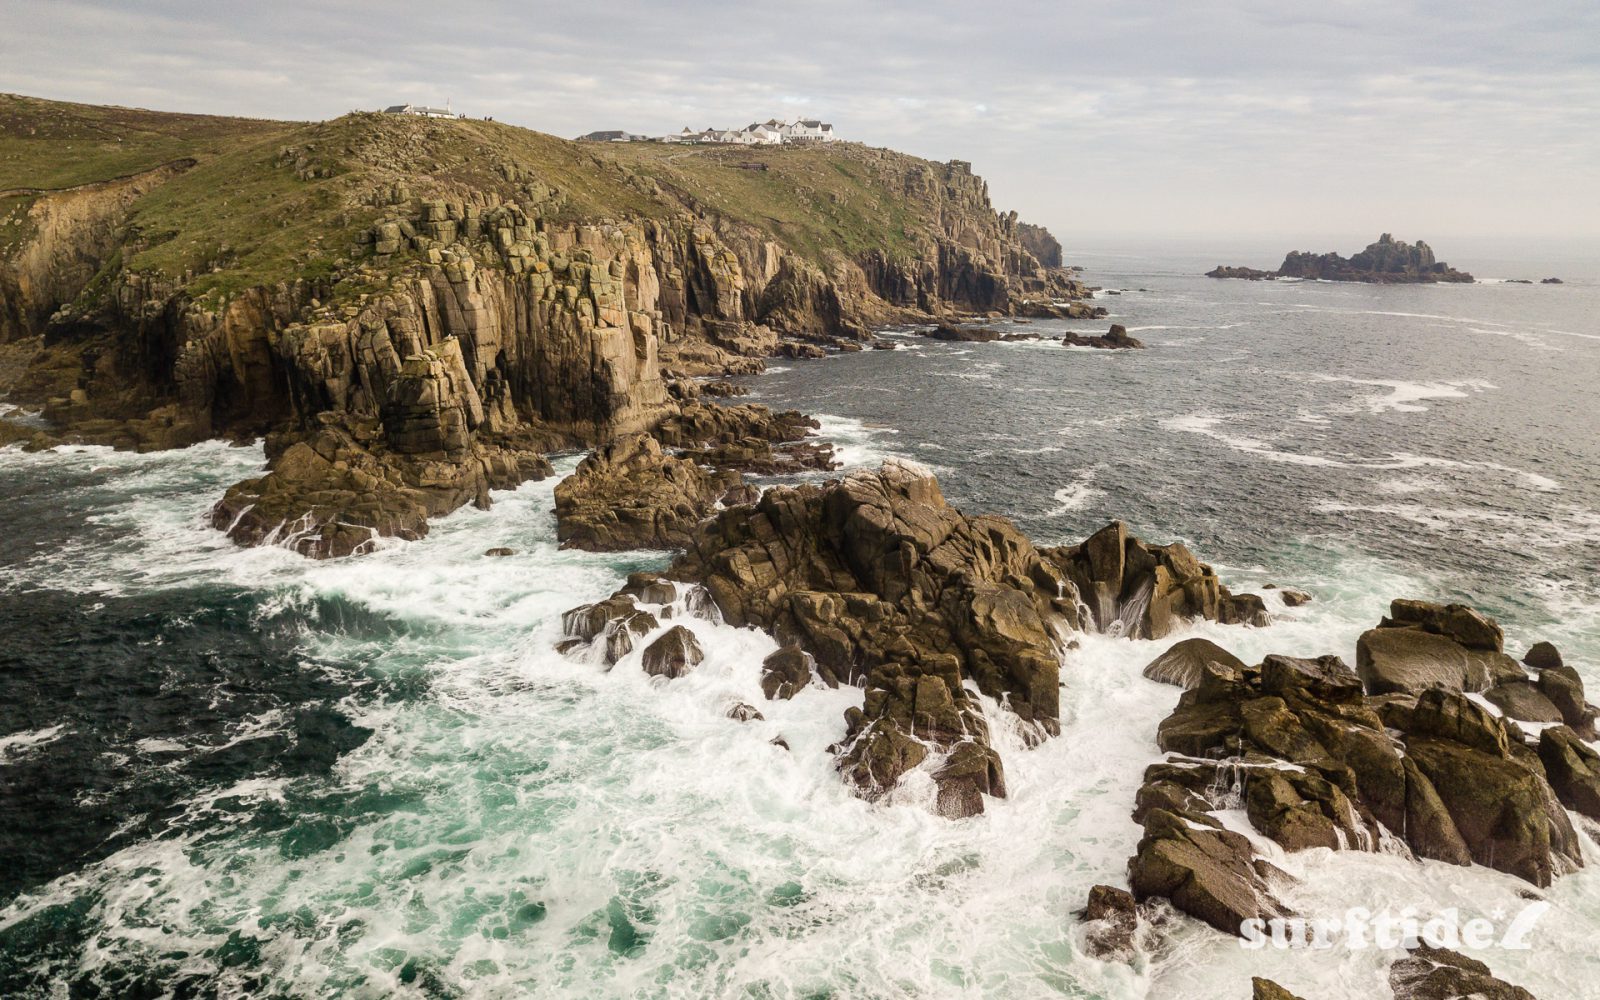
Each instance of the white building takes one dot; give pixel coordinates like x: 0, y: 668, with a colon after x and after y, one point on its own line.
x: 807, y: 131
x: 419, y: 110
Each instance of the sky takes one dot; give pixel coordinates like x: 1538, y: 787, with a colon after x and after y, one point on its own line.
x: 1113, y: 119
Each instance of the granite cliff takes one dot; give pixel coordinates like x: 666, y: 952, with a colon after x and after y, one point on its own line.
x: 412, y: 311
x: 1388, y: 261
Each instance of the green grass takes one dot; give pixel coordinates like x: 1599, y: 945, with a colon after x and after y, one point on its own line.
x: 272, y: 201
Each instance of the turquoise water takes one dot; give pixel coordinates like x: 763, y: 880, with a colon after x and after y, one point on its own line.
x: 238, y: 773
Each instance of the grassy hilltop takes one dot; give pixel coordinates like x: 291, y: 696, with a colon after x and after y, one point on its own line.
x: 269, y: 201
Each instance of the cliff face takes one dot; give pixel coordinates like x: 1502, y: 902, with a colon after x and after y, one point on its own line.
x: 433, y: 303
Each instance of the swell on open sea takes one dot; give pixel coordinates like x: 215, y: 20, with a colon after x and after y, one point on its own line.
x: 235, y: 773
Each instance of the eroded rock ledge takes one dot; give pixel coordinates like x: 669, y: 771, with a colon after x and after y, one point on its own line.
x: 875, y: 580
x: 1395, y: 756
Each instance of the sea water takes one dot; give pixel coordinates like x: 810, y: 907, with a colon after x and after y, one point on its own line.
x: 231, y: 772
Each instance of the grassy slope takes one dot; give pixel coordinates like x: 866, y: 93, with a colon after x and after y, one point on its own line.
x: 270, y: 201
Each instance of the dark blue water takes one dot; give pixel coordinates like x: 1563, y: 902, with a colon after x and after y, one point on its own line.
x: 238, y: 773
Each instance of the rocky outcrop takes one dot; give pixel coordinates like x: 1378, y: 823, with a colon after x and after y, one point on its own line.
x: 1422, y: 645
x: 1429, y: 973
x: 1388, y: 261
x: 1038, y: 241
x: 649, y: 491
x: 1245, y: 273
x: 1116, y: 339
x: 1142, y: 591
x: 630, y: 494
x: 1318, y: 755
x: 875, y: 581
x: 565, y: 301
x: 1112, y: 920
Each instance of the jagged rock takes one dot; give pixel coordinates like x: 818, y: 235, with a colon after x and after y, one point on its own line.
x: 1522, y: 700
x: 1425, y: 645
x: 1115, y: 339
x: 673, y: 654
x: 1294, y: 598
x: 785, y: 672
x: 963, y: 334
x: 334, y: 492
x: 881, y: 581
x: 1184, y: 663
x: 1440, y: 974
x: 622, y: 633
x: 1388, y: 261
x: 1506, y: 814
x: 1564, y: 688
x: 499, y: 552
x: 590, y: 620
x: 1266, y: 989
x: 1206, y: 873
x: 1112, y: 917
x: 1316, y: 766
x: 1467, y: 626
x: 1243, y: 609
x: 1139, y: 590
x: 629, y: 494
x: 1542, y: 656
x: 745, y: 713
x: 1573, y: 769
x: 748, y: 438
x: 649, y: 588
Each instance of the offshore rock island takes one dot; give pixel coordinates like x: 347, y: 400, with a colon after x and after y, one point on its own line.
x: 1386, y: 262
x: 413, y: 312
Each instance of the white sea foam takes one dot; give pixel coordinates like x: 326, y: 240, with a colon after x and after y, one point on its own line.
x: 17, y: 745
x: 632, y: 808
x: 1076, y: 495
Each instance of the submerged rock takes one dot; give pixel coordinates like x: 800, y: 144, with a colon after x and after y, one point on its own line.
x: 1440, y: 974
x: 1112, y: 917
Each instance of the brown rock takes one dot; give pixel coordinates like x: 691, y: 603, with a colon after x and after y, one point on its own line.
x: 1184, y: 663
x: 1439, y: 974
x: 673, y: 654
x: 1112, y: 917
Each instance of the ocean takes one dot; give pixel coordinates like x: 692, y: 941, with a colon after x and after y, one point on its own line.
x: 231, y: 773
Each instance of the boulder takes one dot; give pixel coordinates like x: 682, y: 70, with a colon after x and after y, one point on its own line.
x: 1244, y: 609
x: 500, y: 552
x: 1266, y: 989
x: 1111, y: 919
x: 1467, y: 626
x: 745, y: 713
x: 1294, y: 598
x: 1139, y: 590
x: 1411, y: 660
x: 1564, y: 688
x: 1440, y: 974
x: 1542, y: 656
x: 1522, y: 700
x: 785, y: 672
x: 1184, y: 663
x: 673, y: 654
x: 1327, y: 678
x: 1206, y: 873
x: 1572, y: 768
x: 1507, y: 815
x: 621, y: 633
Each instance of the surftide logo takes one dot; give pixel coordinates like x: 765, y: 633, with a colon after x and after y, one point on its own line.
x: 1360, y: 928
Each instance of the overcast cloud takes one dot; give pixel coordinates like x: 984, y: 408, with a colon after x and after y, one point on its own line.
x: 1136, y: 117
